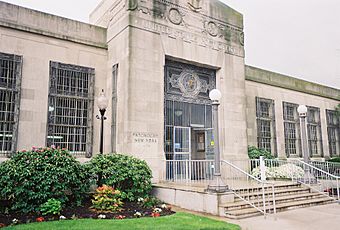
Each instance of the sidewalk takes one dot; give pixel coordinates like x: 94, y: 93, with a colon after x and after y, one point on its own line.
x: 314, y: 218
x: 323, y: 217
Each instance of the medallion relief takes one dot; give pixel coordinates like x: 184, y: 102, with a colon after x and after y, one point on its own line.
x: 212, y: 29
x: 175, y: 16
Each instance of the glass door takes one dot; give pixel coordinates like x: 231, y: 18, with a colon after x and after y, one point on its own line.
x: 182, y: 143
x: 182, y: 153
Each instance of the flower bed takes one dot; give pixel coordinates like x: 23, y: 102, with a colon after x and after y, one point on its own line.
x: 129, y: 210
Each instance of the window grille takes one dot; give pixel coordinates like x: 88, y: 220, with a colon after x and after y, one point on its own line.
x: 314, y: 132
x: 10, y: 84
x: 114, y: 107
x: 70, y: 108
x: 333, y: 130
x: 291, y: 130
x: 265, y: 116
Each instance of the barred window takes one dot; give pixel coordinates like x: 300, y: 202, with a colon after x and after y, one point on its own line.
x: 265, y: 116
x: 10, y: 81
x: 314, y: 131
x: 333, y: 130
x: 291, y: 130
x: 70, y: 108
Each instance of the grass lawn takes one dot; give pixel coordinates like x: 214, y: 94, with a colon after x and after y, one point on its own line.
x: 180, y: 221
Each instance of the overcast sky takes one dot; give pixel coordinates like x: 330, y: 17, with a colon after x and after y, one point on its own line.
x: 300, y: 38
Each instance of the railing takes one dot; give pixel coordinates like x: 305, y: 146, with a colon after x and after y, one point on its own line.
x: 258, y: 194
x: 311, y: 175
x: 320, y: 180
x: 189, y: 171
x: 330, y: 167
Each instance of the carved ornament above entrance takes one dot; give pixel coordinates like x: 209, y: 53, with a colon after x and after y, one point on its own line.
x: 191, y: 83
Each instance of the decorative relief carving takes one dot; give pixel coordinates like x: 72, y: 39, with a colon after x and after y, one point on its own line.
x: 132, y: 4
x: 242, y: 38
x: 190, y: 37
x: 175, y: 16
x: 188, y: 83
x: 194, y: 24
x: 195, y: 5
x: 212, y: 29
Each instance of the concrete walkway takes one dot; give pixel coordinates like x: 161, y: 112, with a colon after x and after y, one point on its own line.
x: 323, y: 217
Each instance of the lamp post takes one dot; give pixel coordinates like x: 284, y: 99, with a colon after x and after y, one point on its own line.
x: 102, y: 103
x: 217, y: 184
x: 302, y: 110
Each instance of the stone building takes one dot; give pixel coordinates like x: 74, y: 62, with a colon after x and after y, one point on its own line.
x: 157, y: 62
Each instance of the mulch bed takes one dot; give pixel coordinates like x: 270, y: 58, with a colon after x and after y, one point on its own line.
x: 85, y: 211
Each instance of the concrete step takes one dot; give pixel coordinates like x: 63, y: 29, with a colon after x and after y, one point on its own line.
x: 287, y: 185
x: 248, y: 212
x: 279, y: 192
x: 278, y: 200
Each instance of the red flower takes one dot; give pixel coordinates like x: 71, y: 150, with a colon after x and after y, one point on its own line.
x: 2, y: 225
x: 155, y: 214
x: 40, y: 219
x: 120, y: 217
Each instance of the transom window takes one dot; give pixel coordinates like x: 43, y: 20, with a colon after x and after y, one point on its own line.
x: 314, y: 131
x: 10, y: 81
x: 291, y: 130
x: 70, y: 108
x: 265, y: 117
x: 333, y: 133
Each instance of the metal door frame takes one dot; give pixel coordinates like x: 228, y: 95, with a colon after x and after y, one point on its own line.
x: 189, y: 142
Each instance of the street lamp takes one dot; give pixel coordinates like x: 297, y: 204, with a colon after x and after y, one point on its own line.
x: 102, y: 103
x: 217, y: 184
x: 302, y: 111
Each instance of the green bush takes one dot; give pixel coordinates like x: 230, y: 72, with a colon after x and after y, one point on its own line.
x: 107, y: 198
x: 128, y: 174
x: 255, y: 153
x: 149, y: 202
x: 52, y: 206
x: 335, y: 159
x: 30, y: 178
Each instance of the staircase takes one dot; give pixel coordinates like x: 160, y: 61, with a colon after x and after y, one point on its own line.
x: 288, y: 196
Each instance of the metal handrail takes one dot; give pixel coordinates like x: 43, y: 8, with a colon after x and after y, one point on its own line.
x: 336, y: 178
x: 263, y: 183
x: 318, y: 169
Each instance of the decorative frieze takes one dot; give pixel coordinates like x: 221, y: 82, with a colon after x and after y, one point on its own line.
x: 194, y: 38
x: 191, y: 17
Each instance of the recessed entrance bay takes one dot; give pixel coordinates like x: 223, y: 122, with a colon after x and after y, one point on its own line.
x: 188, y: 117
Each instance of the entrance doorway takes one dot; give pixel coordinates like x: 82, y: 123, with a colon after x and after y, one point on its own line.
x: 187, y: 120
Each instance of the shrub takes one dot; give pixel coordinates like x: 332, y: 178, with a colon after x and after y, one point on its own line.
x: 52, y: 206
x: 107, y: 199
x: 286, y: 171
x: 149, y: 202
x: 255, y: 153
x: 30, y: 178
x: 128, y: 174
x: 335, y: 159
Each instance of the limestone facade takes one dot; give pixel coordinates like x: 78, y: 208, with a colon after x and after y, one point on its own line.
x: 127, y: 44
